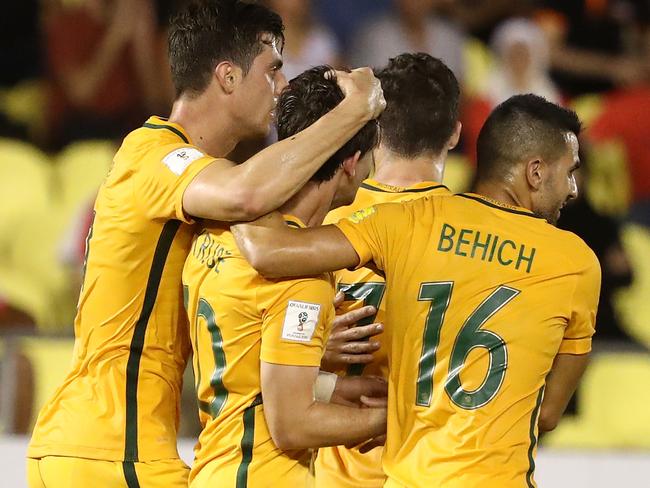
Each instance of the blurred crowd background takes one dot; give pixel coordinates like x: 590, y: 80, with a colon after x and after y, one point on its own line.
x: 77, y: 75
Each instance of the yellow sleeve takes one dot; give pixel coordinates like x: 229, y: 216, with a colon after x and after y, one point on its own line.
x: 372, y: 231
x: 581, y: 327
x: 296, y: 321
x: 163, y: 176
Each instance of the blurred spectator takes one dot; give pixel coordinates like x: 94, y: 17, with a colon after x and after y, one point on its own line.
x: 411, y: 28
x: 521, y: 64
x: 625, y: 117
x: 345, y: 17
x: 596, y: 44
x: 481, y: 17
x: 603, y: 235
x: 105, y: 67
x: 308, y: 43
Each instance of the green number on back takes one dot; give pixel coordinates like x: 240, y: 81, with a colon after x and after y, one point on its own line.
x: 214, y: 407
x: 469, y: 337
x: 371, y: 293
x: 438, y: 294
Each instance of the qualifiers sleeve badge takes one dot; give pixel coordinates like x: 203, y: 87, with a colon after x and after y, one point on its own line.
x: 300, y: 321
x: 178, y: 160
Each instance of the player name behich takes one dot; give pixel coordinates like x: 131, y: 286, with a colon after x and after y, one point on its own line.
x: 486, y: 247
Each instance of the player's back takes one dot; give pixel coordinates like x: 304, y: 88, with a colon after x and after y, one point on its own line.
x: 237, y: 319
x: 120, y: 400
x: 339, y: 465
x: 365, y: 286
x: 480, y: 298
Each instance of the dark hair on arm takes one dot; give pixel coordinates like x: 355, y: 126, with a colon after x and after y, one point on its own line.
x: 422, y: 97
x: 523, y: 127
x: 308, y: 97
x: 207, y: 32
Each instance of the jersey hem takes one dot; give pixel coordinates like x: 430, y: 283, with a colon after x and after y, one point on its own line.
x: 93, y: 453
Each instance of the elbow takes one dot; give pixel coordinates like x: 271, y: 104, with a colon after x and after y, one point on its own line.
x: 250, y: 206
x: 287, y: 437
x: 547, y: 421
x: 257, y: 255
x: 262, y: 264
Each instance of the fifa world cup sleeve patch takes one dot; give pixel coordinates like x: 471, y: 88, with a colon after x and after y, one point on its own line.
x: 300, y: 321
x: 181, y: 158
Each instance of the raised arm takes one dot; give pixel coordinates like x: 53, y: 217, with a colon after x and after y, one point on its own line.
x: 275, y: 250
x: 562, y: 381
x: 229, y: 192
x: 297, y: 421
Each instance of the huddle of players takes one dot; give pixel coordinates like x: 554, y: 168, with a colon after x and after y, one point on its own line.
x: 481, y: 296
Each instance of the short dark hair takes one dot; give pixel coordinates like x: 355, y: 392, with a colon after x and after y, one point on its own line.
x: 523, y: 127
x: 206, y: 32
x: 308, y: 97
x: 422, y: 97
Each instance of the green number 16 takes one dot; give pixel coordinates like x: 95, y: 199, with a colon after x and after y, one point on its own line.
x: 469, y: 337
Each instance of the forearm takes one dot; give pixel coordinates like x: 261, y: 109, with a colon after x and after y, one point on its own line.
x: 279, y: 171
x: 561, y: 383
x: 329, y: 424
x: 277, y: 251
x: 584, y: 62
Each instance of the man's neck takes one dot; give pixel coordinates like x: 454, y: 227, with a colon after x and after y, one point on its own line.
x: 213, y: 133
x: 311, y: 203
x: 504, y: 192
x: 392, y: 169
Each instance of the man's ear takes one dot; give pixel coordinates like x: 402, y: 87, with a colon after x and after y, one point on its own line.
x: 535, y: 173
x: 455, y: 136
x: 228, y: 76
x: 350, y: 164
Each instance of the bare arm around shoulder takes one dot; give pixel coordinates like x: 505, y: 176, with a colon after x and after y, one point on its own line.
x: 228, y: 192
x: 297, y: 421
x: 275, y: 250
x: 561, y: 382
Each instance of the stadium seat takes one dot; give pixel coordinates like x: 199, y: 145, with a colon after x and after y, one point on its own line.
x: 612, y: 405
x: 80, y: 170
x: 23, y: 104
x: 25, y: 174
x: 458, y: 173
x: 632, y: 303
x: 33, y: 276
x: 588, y: 107
x: 50, y: 359
x: 478, y: 61
x: 25, y: 177
x: 609, y: 188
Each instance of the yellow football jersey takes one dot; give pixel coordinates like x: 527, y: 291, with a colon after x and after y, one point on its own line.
x: 339, y: 466
x: 238, y: 318
x: 480, y: 298
x: 120, y: 400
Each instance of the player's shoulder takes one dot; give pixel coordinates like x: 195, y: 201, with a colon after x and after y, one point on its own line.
x: 372, y: 192
x: 317, y: 289
x: 160, y: 142
x: 574, y: 248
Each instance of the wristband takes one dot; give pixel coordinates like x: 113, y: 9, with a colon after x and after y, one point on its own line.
x: 324, y: 386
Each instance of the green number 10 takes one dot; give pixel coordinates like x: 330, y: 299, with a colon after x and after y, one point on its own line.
x: 469, y: 337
